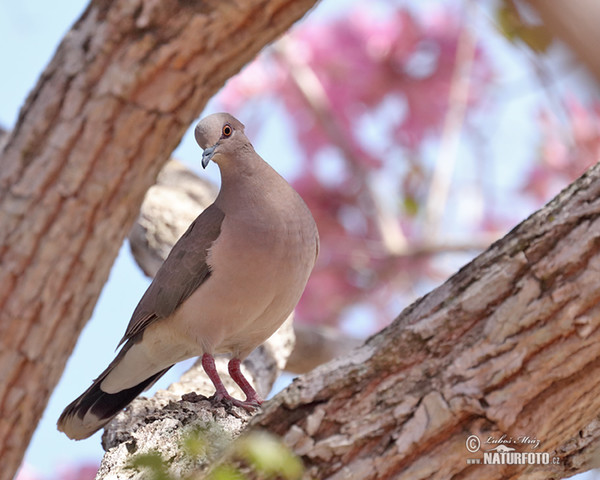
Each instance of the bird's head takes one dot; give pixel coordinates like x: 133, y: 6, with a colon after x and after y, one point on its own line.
x: 218, y: 135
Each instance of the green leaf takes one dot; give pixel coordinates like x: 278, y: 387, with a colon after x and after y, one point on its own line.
x: 508, y: 20
x: 537, y: 37
x: 153, y: 462
x: 270, y: 456
x: 226, y: 472
x: 411, y: 206
x: 194, y: 443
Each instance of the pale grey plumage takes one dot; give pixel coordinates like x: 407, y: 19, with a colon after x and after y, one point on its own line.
x: 227, y: 285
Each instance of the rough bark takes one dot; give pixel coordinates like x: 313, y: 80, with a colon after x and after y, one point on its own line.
x: 169, y: 206
x: 508, y: 345
x: 122, y: 88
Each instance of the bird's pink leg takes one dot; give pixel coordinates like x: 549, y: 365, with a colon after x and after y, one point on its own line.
x: 221, y: 393
x: 252, y: 398
x: 208, y: 364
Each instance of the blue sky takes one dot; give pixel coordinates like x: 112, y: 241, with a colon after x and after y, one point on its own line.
x: 30, y: 30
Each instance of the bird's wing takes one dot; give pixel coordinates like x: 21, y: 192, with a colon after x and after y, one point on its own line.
x: 184, y: 270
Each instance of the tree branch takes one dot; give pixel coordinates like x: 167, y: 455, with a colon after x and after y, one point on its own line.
x: 508, y: 345
x: 458, y: 100
x: 574, y: 22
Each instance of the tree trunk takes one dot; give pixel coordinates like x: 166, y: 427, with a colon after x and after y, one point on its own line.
x: 121, y: 90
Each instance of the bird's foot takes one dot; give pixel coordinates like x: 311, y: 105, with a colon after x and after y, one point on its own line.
x: 250, y: 404
x: 221, y: 396
x: 253, y: 400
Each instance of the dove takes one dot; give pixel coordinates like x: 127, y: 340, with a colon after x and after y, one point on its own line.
x: 226, y: 286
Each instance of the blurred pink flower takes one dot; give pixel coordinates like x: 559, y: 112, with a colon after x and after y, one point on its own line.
x: 75, y: 471
x: 330, y: 76
x: 568, y: 147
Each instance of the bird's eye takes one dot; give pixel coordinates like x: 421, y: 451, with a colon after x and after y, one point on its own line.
x: 227, y: 130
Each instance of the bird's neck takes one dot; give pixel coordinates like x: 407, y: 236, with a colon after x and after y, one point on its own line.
x: 246, y: 187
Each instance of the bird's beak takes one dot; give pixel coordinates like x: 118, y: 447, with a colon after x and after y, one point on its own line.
x: 207, y: 155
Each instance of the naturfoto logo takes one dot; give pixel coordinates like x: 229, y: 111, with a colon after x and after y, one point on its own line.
x: 508, y: 450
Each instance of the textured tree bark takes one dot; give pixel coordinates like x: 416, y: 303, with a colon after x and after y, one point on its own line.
x: 510, y: 345
x: 115, y: 100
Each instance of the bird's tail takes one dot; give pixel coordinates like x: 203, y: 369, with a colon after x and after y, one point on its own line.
x: 94, y: 408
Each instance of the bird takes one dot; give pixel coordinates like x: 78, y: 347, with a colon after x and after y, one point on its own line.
x: 227, y: 285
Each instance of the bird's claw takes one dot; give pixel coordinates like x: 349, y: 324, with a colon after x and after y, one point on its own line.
x: 250, y: 404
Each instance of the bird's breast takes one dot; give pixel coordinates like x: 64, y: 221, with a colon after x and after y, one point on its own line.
x: 282, y: 248
x: 260, y: 263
